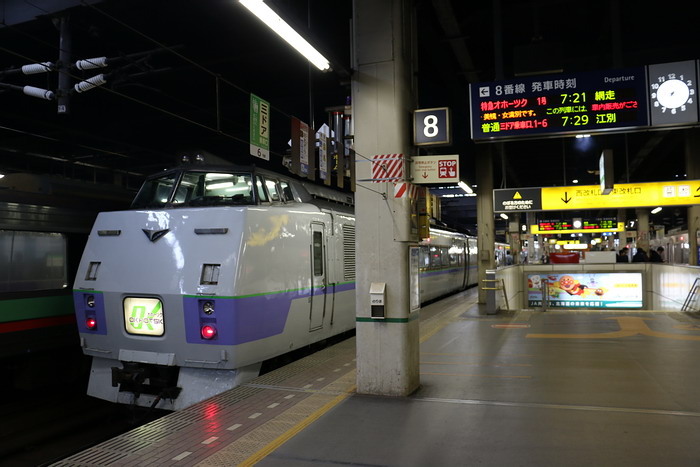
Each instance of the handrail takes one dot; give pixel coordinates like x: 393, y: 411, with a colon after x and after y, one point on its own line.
x: 691, y: 296
x: 501, y: 288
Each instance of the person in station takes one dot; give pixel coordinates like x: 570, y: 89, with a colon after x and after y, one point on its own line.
x: 509, y: 258
x: 640, y: 256
x: 656, y: 256
x: 623, y: 255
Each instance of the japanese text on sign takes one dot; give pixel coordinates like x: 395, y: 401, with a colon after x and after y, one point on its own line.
x: 584, y: 102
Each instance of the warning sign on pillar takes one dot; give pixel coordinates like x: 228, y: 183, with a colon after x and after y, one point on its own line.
x: 435, y: 169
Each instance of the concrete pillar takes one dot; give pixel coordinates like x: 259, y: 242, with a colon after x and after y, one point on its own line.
x: 643, y: 229
x: 382, y: 99
x: 484, y: 214
x: 692, y: 170
x: 532, y: 253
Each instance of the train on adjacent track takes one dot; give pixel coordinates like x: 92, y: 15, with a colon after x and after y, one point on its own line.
x: 44, y: 224
x: 215, y: 269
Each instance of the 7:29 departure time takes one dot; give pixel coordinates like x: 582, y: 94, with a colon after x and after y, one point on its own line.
x: 576, y: 120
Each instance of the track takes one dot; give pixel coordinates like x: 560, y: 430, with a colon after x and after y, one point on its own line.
x: 47, y: 416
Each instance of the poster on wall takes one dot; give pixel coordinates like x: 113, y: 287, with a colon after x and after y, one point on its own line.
x: 586, y: 290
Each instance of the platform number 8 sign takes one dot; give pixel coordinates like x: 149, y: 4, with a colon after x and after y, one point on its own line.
x: 431, y: 127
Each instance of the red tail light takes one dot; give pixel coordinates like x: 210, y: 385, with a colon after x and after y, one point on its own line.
x: 208, y: 332
x: 91, y: 324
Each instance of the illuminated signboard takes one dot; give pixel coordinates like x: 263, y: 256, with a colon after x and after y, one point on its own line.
x: 559, y: 104
x: 589, y: 290
x: 652, y: 194
x: 582, y: 197
x: 587, y: 226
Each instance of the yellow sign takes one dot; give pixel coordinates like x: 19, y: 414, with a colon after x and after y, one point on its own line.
x: 624, y: 195
x: 535, y: 229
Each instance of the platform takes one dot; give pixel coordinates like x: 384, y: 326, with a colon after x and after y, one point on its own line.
x: 520, y: 388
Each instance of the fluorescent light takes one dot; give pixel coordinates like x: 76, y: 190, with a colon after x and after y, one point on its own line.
x: 504, y: 216
x: 286, y: 32
x: 655, y: 210
x: 218, y: 186
x: 465, y: 187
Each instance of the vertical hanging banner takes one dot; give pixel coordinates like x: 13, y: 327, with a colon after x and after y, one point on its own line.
x: 259, y: 127
x: 300, y: 147
x: 323, y: 157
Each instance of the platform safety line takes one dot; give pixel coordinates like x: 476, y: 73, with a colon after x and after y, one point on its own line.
x: 445, y: 318
x: 289, y: 434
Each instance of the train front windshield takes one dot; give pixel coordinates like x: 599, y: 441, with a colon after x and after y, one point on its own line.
x: 195, y: 188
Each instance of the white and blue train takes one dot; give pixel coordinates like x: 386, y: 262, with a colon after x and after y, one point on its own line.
x: 214, y: 270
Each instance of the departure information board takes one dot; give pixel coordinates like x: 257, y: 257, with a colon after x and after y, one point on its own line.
x: 559, y: 104
x: 600, y: 225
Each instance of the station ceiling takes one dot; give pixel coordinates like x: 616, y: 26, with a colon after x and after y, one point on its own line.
x: 181, y: 73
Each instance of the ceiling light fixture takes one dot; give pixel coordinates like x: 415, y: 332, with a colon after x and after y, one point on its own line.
x: 465, y: 187
x: 655, y: 210
x: 504, y: 216
x: 286, y: 32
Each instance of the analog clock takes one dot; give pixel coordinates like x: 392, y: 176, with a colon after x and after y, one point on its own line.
x: 674, y: 94
x: 672, y: 89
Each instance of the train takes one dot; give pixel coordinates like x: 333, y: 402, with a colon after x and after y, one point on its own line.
x: 214, y: 270
x: 44, y: 225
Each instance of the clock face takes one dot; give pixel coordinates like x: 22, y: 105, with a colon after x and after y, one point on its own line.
x: 673, y: 94
x: 672, y: 88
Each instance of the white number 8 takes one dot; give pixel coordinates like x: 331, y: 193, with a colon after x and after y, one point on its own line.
x: 431, y: 129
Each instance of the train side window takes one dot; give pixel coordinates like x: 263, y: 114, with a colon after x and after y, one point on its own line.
x: 318, y: 253
x: 444, y: 256
x: 435, y: 259
x: 32, y: 261
x: 287, y: 191
x: 262, y: 194
x: 424, y: 257
x: 272, y: 189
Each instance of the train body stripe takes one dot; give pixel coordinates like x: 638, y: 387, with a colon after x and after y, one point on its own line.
x: 35, y: 308
x: 302, y: 292
x: 247, y: 318
x: 39, y: 323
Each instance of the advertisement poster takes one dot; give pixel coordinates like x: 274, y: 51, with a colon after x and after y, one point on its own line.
x: 586, y: 290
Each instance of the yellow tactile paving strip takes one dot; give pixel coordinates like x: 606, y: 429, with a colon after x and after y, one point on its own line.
x: 243, y: 425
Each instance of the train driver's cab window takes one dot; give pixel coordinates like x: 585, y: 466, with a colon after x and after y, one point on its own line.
x: 154, y: 192
x: 272, y: 188
x: 214, y: 188
x: 196, y: 189
x: 262, y: 193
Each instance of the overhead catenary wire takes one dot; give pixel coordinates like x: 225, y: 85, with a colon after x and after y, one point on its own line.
x: 98, y: 62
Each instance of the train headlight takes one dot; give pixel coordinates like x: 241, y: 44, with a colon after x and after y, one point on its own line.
x: 91, y: 323
x: 208, y: 308
x: 90, y: 301
x: 208, y: 331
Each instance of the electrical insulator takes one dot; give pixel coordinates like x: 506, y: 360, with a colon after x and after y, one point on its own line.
x: 38, y: 92
x: 91, y: 63
x: 35, y: 68
x: 90, y: 83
